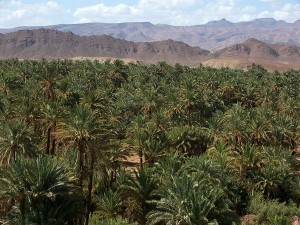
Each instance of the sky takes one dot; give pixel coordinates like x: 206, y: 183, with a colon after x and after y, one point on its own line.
x: 14, y: 13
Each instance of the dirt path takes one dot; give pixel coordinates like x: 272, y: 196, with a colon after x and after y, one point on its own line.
x: 131, y: 163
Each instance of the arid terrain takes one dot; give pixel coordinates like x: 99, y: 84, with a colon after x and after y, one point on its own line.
x: 213, y: 35
x: 52, y: 44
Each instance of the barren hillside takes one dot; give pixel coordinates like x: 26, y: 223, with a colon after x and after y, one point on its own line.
x: 51, y: 44
x: 213, y: 36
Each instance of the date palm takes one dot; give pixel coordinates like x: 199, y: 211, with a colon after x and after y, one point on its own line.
x: 189, y: 199
x: 136, y: 136
x: 247, y: 159
x: 83, y: 130
x: 276, y: 173
x: 135, y: 192
x: 188, y: 98
x: 107, y: 206
x: 189, y: 140
x: 234, y: 120
x: 215, y: 128
x: 259, y: 129
x: 285, y: 131
x: 78, y: 129
x: 51, y: 113
x: 15, y: 139
x: 44, y: 190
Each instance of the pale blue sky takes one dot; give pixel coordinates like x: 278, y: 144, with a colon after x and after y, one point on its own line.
x: 176, y: 12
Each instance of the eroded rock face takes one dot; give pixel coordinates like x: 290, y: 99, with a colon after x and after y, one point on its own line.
x: 213, y: 35
x: 53, y: 44
x: 43, y: 43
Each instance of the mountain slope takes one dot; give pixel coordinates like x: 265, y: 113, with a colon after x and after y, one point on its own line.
x: 258, y: 52
x: 42, y: 43
x: 52, y: 44
x: 213, y: 35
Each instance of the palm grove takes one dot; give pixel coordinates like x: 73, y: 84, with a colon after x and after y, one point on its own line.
x: 213, y: 145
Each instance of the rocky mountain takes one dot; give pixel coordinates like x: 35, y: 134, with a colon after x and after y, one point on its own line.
x: 258, y: 51
x: 213, y: 35
x: 280, y: 57
x: 50, y: 44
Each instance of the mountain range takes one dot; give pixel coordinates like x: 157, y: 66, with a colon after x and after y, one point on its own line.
x: 52, y: 44
x: 211, y: 36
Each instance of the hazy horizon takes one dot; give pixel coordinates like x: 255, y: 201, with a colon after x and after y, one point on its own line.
x: 15, y: 13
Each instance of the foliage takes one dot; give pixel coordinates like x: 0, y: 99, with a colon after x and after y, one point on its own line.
x: 117, y: 221
x: 151, y: 144
x: 44, y: 191
x: 271, y: 211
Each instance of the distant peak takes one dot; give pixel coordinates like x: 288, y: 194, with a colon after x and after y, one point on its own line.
x: 253, y: 41
x: 267, y: 20
x: 221, y: 22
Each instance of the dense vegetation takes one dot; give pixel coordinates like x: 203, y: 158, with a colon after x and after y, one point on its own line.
x: 213, y: 145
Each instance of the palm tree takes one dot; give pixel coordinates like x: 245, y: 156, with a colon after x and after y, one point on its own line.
x: 189, y: 140
x: 44, y: 190
x: 214, y: 128
x: 79, y: 129
x: 189, y: 199
x: 51, y: 113
x: 259, y: 129
x: 285, y: 131
x: 169, y: 165
x: 247, y: 159
x: 103, y: 154
x: 107, y: 206
x: 136, y: 137
x: 113, y: 221
x: 189, y: 97
x: 276, y: 174
x: 15, y: 139
x: 85, y: 129
x: 235, y: 123
x: 135, y: 192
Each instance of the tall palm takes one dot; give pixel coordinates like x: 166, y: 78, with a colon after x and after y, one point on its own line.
x: 50, y: 113
x: 136, y: 136
x: 103, y: 154
x: 84, y: 129
x: 78, y: 129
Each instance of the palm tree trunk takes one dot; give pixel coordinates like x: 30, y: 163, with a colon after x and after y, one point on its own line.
x: 141, y: 157
x: 189, y: 116
x: 22, y: 208
x: 80, y: 160
x: 90, y: 187
x: 14, y: 152
x: 53, y: 145
x: 47, y: 151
